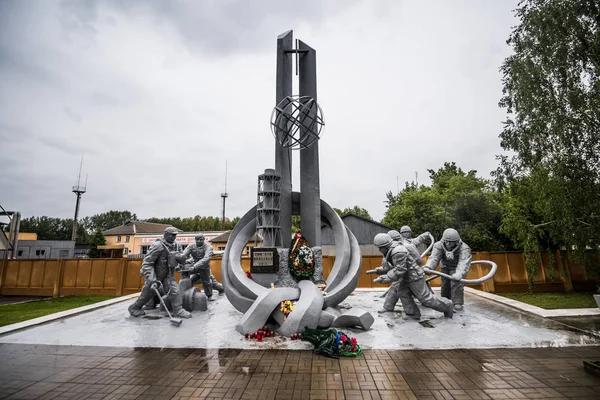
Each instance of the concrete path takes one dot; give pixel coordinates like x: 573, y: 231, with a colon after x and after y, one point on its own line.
x: 483, y: 324
x: 72, y: 372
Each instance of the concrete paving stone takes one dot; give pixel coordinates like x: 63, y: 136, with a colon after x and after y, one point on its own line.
x: 369, y: 384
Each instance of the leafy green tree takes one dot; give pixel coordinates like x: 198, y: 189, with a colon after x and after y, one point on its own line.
x: 296, y: 224
x: 108, y: 220
x: 455, y: 199
x: 356, y: 210
x: 552, y: 97
x: 48, y: 228
x: 97, y: 239
x: 197, y: 223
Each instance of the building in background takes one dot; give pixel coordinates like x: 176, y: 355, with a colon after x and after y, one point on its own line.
x: 81, y: 250
x: 46, y: 249
x: 24, y: 235
x: 220, y: 242
x: 363, y: 229
x: 134, y: 238
x: 30, y: 247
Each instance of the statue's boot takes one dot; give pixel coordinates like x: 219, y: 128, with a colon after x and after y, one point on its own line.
x: 218, y: 287
x: 150, y: 305
x: 458, y: 307
x: 449, y: 312
x: 136, y: 310
x: 411, y: 316
x: 182, y: 313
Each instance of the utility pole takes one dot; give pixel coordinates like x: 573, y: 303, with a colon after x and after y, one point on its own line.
x: 224, y: 196
x: 78, y: 190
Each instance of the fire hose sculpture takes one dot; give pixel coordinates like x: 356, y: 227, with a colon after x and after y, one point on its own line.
x: 455, y: 258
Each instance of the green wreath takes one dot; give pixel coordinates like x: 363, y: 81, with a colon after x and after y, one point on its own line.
x: 301, y: 261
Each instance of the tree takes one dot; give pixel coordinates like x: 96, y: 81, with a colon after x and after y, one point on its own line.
x: 552, y: 97
x: 108, y: 220
x: 97, y: 239
x: 356, y: 210
x: 48, y: 228
x: 455, y: 199
x: 197, y: 223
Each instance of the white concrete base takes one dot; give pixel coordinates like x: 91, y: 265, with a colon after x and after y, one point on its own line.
x: 484, y: 323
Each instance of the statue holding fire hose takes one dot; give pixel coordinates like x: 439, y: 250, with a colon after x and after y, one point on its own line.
x: 451, y: 252
x: 454, y: 255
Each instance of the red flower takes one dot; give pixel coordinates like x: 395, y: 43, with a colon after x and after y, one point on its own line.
x: 343, y: 338
x: 298, y: 235
x: 353, y: 341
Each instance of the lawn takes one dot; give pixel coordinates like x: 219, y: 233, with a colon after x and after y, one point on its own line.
x: 551, y: 301
x: 13, y: 313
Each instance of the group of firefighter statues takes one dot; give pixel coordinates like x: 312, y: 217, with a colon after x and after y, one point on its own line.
x: 164, y: 258
x: 402, y: 266
x: 280, y: 276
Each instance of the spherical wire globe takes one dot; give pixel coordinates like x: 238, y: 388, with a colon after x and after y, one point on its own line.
x: 297, y: 122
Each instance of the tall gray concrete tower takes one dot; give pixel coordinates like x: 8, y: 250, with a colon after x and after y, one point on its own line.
x: 296, y: 124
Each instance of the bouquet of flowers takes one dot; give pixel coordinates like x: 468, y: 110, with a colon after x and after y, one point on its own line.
x: 286, y: 307
x: 301, y: 260
x: 332, y: 343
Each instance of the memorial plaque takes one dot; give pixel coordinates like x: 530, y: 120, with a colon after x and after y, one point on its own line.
x: 264, y: 260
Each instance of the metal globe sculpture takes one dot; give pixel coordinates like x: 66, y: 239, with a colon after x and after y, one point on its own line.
x: 297, y: 122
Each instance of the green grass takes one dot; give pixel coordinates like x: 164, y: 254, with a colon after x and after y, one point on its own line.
x: 13, y: 313
x: 551, y: 301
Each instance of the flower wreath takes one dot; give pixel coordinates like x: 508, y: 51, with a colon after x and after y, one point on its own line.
x: 301, y: 260
x: 332, y: 343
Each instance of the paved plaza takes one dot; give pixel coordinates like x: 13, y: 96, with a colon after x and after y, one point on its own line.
x: 74, y: 372
x: 489, y: 351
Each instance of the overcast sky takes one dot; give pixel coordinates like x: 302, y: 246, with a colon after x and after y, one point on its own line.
x: 158, y: 95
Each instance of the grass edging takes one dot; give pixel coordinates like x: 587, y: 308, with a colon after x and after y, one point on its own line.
x: 63, y: 314
x: 540, y: 312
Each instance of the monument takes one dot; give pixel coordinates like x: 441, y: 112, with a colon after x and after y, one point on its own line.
x: 297, y: 123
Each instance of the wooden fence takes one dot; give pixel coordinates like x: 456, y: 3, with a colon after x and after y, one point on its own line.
x: 116, y: 277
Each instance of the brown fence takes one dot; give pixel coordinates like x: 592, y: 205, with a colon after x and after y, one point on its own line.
x: 116, y: 277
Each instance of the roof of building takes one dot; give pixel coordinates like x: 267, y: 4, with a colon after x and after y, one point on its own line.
x: 363, y: 229
x: 133, y: 227
x: 367, y: 220
x: 223, y: 238
x: 111, y: 246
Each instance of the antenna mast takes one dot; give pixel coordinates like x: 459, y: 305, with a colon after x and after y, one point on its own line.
x: 224, y: 196
x: 78, y: 190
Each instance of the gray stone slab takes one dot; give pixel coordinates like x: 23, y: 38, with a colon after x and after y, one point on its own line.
x: 355, y: 317
x: 483, y: 324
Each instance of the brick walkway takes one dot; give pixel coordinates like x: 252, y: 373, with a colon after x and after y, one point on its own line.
x: 67, y: 372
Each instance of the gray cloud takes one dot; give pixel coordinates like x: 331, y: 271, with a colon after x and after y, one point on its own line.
x: 212, y: 27
x: 72, y: 114
x: 159, y: 95
x: 102, y: 99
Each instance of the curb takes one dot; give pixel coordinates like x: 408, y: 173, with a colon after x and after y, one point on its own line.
x: 538, y: 311
x: 19, y: 326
